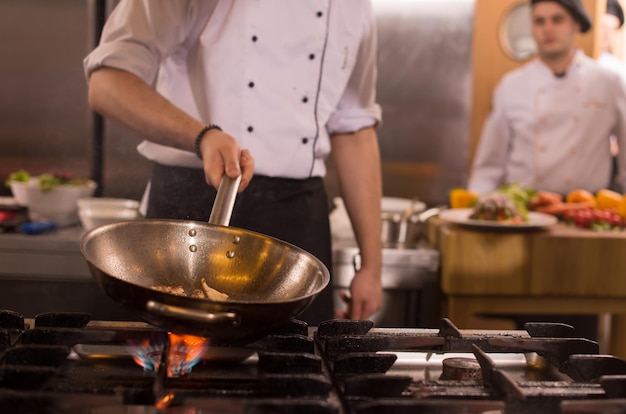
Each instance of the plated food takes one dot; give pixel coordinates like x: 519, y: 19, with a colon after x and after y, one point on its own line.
x: 496, y: 207
x: 506, y: 205
x: 512, y: 205
x: 462, y: 216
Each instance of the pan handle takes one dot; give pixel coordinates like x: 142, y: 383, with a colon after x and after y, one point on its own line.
x: 224, y: 200
x: 177, y: 312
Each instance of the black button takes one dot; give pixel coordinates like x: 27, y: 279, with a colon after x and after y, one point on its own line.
x: 251, y: 84
x: 305, y: 140
x: 319, y: 14
x: 311, y: 56
x: 250, y: 129
x: 254, y: 38
x: 305, y: 99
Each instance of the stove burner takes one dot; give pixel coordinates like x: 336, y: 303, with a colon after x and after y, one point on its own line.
x: 461, y: 369
x: 179, y: 352
x: 66, y: 362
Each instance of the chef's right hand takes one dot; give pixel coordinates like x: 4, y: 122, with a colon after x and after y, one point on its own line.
x: 221, y: 155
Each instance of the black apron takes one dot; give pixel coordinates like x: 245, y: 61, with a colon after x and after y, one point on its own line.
x: 295, y: 211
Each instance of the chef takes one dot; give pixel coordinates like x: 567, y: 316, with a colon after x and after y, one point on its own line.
x: 612, y: 21
x: 228, y: 86
x: 551, y: 119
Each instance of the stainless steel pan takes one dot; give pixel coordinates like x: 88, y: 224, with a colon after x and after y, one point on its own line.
x: 268, y: 281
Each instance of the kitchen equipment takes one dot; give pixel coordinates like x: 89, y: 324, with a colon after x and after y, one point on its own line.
x: 406, y: 228
x: 12, y: 215
x: 62, y: 363
x: 267, y: 281
x: 57, y: 204
x: 97, y: 211
x: 410, y: 282
x: 401, y: 222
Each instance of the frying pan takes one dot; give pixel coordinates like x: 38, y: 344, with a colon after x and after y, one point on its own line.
x: 268, y: 281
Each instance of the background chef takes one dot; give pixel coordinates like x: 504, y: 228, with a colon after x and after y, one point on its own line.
x: 551, y: 119
x: 612, y: 21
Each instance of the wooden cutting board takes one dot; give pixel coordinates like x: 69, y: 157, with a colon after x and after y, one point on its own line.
x: 557, y: 261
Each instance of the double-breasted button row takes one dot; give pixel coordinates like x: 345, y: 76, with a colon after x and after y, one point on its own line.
x: 305, y: 99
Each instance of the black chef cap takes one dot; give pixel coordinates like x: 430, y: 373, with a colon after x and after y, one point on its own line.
x: 576, y: 9
x: 613, y: 7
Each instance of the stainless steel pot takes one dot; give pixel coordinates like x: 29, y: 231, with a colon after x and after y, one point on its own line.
x: 405, y: 229
x: 268, y: 281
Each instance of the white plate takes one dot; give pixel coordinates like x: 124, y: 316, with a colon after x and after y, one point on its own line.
x: 461, y: 216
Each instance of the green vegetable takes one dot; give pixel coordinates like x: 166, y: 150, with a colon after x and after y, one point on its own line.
x: 21, y: 176
x: 47, y: 182
x: 520, y: 197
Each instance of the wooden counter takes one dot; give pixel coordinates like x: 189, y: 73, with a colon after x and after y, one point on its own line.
x: 559, y: 270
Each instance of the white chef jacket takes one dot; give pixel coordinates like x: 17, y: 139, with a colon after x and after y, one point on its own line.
x: 277, y: 75
x: 611, y: 62
x: 552, y: 133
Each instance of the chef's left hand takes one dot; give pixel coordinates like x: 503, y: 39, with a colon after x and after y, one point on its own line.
x: 366, y: 295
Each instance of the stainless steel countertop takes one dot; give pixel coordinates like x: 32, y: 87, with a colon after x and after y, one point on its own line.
x: 65, y: 239
x: 51, y: 255
x: 421, y: 257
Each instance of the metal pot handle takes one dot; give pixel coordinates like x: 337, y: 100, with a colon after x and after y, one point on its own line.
x: 177, y: 312
x: 431, y: 212
x: 224, y: 200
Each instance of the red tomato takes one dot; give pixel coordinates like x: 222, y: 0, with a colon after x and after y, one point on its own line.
x: 616, y: 221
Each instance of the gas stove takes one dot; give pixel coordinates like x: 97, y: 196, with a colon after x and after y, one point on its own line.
x: 68, y: 363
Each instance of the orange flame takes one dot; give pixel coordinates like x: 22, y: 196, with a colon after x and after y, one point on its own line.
x: 185, y: 352
x: 164, y: 402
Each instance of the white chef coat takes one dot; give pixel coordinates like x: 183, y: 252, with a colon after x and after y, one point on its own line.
x: 552, y: 133
x: 611, y: 62
x: 277, y: 75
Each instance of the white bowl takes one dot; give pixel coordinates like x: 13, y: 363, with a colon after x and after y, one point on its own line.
x: 107, y: 203
x: 94, y: 212
x: 58, y: 204
x: 398, y: 205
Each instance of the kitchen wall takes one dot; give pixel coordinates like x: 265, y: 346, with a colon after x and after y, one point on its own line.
x: 44, y: 121
x: 424, y: 89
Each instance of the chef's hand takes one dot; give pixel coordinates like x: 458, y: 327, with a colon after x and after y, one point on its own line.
x: 221, y: 155
x: 366, y: 296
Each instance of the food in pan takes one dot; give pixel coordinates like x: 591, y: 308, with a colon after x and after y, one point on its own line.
x: 198, y: 293
x: 174, y: 290
x: 206, y: 292
x: 211, y: 293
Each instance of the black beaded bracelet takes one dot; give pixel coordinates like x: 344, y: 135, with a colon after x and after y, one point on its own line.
x: 201, y: 135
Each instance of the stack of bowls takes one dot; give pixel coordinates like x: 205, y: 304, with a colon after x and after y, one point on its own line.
x: 94, y: 211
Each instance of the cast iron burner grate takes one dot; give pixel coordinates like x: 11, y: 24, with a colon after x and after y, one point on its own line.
x: 66, y: 363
